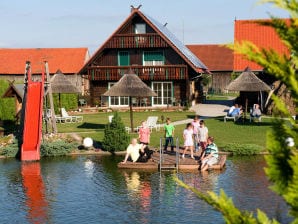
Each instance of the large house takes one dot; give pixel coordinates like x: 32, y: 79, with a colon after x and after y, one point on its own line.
x: 66, y: 60
x: 154, y: 54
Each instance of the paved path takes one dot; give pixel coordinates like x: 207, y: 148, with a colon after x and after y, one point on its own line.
x: 208, y: 110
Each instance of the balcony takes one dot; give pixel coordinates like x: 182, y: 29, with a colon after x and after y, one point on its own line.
x: 151, y: 40
x: 114, y: 73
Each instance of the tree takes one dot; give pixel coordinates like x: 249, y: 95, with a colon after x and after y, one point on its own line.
x: 283, y: 159
x: 115, y: 136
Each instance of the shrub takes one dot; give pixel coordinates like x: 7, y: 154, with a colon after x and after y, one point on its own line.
x: 10, y: 150
x: 56, y: 148
x: 242, y: 149
x: 7, y: 109
x: 115, y: 136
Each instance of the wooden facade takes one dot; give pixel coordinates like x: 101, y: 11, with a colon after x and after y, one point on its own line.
x: 146, y: 47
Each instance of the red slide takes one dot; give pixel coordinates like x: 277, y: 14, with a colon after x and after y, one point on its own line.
x: 32, y: 132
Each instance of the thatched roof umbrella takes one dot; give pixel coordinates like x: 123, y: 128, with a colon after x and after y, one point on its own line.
x: 60, y: 84
x: 57, y: 84
x: 132, y: 86
x: 248, y: 82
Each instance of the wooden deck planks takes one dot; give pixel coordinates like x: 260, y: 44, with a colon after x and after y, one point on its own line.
x: 169, y: 160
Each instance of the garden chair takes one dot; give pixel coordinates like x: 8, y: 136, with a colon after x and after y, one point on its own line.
x: 72, y: 118
x: 152, y: 123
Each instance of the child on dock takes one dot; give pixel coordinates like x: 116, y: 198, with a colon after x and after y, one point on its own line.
x: 188, y: 140
x: 169, y: 134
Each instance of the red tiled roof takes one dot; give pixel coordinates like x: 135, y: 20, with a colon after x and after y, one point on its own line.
x: 68, y: 60
x: 262, y: 36
x: 215, y: 57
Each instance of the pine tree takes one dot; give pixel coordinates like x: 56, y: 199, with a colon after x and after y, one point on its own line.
x: 282, y: 140
x: 115, y: 136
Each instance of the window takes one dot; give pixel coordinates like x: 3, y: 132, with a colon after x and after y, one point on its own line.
x: 152, y: 58
x: 117, y: 100
x: 123, y: 60
x: 140, y: 28
x: 164, y: 93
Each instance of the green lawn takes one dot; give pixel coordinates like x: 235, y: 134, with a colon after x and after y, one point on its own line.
x: 224, y: 133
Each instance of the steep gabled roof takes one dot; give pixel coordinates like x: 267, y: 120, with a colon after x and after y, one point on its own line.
x: 262, y: 36
x: 69, y: 60
x: 216, y: 57
x: 170, y: 38
x: 14, y: 89
x: 182, y: 49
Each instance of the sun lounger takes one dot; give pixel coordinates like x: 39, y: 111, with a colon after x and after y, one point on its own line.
x: 72, y: 118
x: 235, y: 118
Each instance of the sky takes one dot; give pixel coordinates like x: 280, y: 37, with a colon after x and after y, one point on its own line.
x: 89, y: 23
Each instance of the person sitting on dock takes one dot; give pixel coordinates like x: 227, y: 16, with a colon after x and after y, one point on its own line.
x: 210, y: 155
x: 137, y: 152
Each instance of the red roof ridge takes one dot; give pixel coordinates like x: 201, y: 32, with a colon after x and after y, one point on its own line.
x: 69, y: 60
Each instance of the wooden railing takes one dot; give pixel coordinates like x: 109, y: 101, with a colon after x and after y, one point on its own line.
x: 136, y: 41
x: 114, y: 73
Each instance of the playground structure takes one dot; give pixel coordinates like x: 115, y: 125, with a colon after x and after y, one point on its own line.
x: 32, y: 113
x: 32, y: 116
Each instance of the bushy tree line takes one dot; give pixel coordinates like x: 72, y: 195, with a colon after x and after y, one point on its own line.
x: 7, y: 105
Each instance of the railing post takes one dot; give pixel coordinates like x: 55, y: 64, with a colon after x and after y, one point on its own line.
x: 177, y: 154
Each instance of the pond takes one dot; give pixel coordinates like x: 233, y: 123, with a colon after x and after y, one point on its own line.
x: 90, y: 189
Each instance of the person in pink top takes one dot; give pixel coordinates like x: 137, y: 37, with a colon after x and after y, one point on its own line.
x: 144, y: 134
x: 196, y: 124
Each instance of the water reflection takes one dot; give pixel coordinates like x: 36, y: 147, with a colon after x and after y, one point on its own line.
x: 139, y: 192
x: 91, y: 189
x: 37, y: 205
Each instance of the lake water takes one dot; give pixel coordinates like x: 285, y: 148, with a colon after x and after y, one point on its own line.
x: 90, y: 189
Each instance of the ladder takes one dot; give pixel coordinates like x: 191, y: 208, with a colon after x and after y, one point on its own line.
x: 163, y: 165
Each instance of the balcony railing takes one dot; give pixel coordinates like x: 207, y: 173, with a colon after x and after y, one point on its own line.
x: 136, y: 41
x: 114, y: 73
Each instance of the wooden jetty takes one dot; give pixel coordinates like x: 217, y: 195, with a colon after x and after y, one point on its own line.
x: 171, y: 161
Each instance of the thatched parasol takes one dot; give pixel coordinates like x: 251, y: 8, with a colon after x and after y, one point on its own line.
x: 60, y: 84
x: 132, y: 86
x: 248, y: 82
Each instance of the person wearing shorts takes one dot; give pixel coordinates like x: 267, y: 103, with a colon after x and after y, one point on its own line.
x: 210, y: 155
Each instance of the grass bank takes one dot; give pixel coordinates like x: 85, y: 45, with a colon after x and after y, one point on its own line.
x: 224, y: 133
